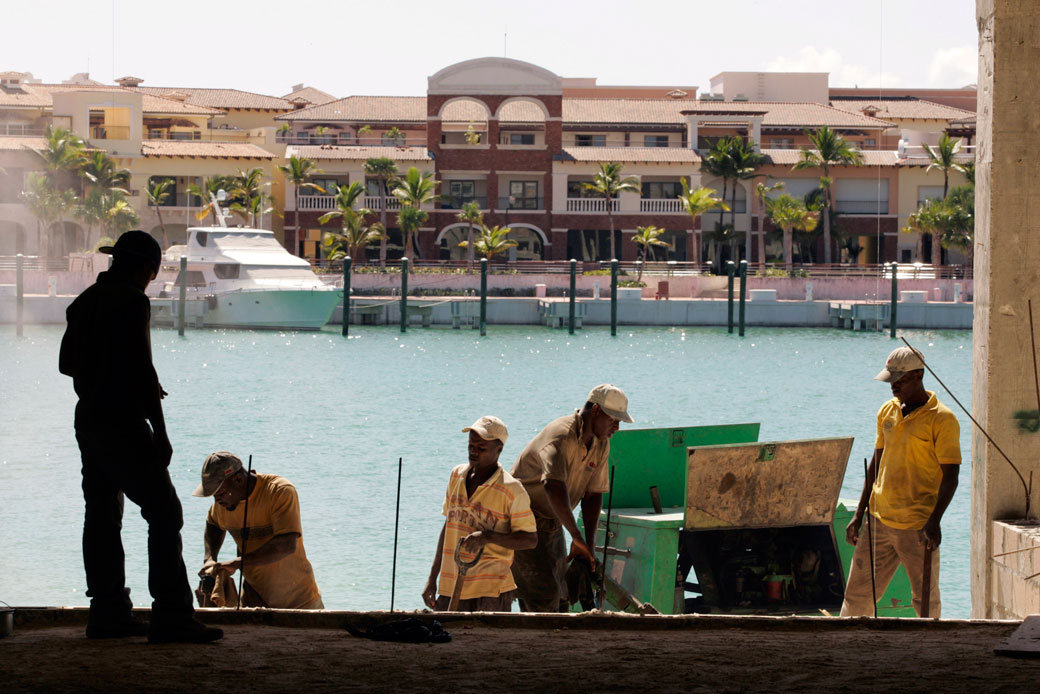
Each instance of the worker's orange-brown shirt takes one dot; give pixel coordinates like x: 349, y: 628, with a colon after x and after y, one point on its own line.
x: 557, y: 453
x: 910, y: 472
x: 274, y: 509
x: 501, y: 505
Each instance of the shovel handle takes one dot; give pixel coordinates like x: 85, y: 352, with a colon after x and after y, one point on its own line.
x: 463, y: 567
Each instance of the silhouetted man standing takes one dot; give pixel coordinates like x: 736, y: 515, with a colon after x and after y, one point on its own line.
x: 125, y: 449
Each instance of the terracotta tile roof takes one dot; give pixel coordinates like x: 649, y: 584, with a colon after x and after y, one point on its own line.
x: 903, y: 109
x: 41, y: 96
x: 222, y: 98
x: 661, y: 155
x: 620, y: 111
x: 223, y: 150
x: 310, y: 95
x: 354, y: 153
x: 20, y: 143
x: 365, y: 109
x: 789, y: 157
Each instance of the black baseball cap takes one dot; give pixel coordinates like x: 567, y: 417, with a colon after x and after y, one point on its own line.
x: 137, y: 244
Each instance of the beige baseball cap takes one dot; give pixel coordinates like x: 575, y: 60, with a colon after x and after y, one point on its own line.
x: 611, y: 400
x: 489, y: 428
x: 217, y: 468
x: 901, y: 361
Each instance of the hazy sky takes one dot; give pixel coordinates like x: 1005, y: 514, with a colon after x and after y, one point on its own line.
x: 348, y: 48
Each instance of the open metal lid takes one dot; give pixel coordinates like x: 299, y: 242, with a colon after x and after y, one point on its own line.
x: 763, y: 485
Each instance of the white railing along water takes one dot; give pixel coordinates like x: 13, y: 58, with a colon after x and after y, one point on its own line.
x: 590, y: 205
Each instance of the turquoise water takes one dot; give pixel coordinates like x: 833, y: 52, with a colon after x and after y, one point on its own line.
x: 333, y: 416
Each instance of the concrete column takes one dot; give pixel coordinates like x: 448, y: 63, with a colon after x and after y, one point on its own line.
x: 756, y: 133
x: 1007, y: 253
x: 559, y: 191
x: 691, y: 131
x: 628, y: 201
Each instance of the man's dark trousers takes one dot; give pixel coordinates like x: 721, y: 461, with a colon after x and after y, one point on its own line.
x: 119, y: 459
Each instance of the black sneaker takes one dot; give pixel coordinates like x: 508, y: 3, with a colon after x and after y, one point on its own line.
x: 183, y: 631
x: 116, y: 628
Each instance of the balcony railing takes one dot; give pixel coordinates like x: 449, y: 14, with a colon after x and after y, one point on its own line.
x: 110, y: 132
x: 20, y: 129
x: 317, y: 202
x: 521, y: 204
x: 667, y: 205
x: 590, y: 205
x: 374, y: 202
x: 345, y: 139
x: 455, y: 202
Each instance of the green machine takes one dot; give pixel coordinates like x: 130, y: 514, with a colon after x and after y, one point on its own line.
x: 707, y: 519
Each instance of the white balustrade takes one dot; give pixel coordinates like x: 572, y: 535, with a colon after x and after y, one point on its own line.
x: 668, y: 205
x: 317, y: 202
x: 590, y: 205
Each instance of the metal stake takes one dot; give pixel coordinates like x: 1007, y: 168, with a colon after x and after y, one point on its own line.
x: 397, y: 522
x: 245, y: 532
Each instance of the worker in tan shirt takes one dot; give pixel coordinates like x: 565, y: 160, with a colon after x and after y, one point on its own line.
x: 563, y: 466
x: 276, y: 570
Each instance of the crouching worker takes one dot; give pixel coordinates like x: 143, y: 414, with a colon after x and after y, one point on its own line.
x: 487, y: 516
x: 277, y: 573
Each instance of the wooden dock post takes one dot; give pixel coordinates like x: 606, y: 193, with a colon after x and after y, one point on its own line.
x: 613, y: 297
x: 182, y: 299
x: 483, y: 296
x: 892, y: 322
x: 729, y: 303
x: 404, y: 295
x: 574, y: 285
x: 20, y: 293
x: 346, y: 295
x: 743, y: 294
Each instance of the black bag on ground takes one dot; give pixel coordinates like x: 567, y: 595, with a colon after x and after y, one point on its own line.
x: 409, y: 630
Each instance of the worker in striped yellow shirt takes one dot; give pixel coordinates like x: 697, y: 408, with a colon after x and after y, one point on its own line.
x: 484, y: 507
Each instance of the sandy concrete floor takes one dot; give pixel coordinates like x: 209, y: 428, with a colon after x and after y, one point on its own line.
x: 855, y: 658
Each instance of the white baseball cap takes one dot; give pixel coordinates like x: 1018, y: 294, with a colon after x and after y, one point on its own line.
x: 611, y: 400
x: 489, y: 428
x: 900, y: 362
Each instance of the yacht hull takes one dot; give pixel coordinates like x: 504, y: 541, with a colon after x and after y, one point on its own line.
x: 272, y: 309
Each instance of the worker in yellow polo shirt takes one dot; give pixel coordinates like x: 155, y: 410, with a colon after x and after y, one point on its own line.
x: 276, y: 571
x: 915, y: 467
x: 484, y: 508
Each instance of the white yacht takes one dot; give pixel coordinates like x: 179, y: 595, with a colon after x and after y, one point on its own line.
x: 241, y: 278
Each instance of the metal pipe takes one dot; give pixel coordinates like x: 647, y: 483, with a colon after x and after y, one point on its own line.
x: 892, y: 322
x: 743, y: 294
x: 183, y: 295
x: 397, y: 523
x: 20, y: 292
x: 245, y: 533
x: 870, y: 535
x: 729, y: 302
x: 613, y: 297
x: 574, y: 284
x: 606, y: 542
x: 346, y: 295
x: 483, y: 296
x: 404, y: 295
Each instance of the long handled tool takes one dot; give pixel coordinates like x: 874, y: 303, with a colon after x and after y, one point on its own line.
x: 926, y: 583
x: 397, y: 523
x: 602, y: 593
x: 870, y: 537
x: 245, y: 534
x: 463, y: 567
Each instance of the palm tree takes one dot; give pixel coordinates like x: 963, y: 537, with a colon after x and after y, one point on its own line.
x: 762, y: 192
x: 788, y: 214
x: 608, y: 183
x: 395, y: 135
x: 414, y: 190
x: 646, y: 238
x: 491, y: 241
x: 211, y: 185
x: 285, y: 129
x: 958, y: 231
x: 695, y: 203
x: 120, y: 217
x: 101, y: 172
x: 384, y: 170
x: 247, y: 190
x: 471, y: 214
x: 297, y: 170
x: 45, y: 203
x: 92, y: 209
x: 356, y: 234
x: 158, y: 193
x: 746, y: 162
x: 943, y: 158
x: 61, y: 157
x: 828, y: 148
